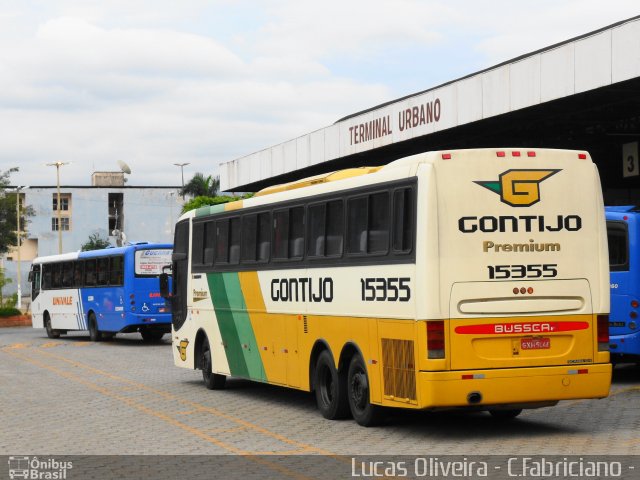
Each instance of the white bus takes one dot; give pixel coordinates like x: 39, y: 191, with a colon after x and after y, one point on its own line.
x: 468, y: 278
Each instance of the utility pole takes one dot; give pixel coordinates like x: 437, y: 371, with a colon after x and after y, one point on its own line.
x: 58, y: 165
x: 182, y: 165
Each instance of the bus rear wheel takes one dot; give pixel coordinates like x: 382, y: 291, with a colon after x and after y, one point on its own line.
x: 330, y: 388
x: 51, y: 333
x: 213, y: 381
x: 94, y: 333
x: 364, y: 413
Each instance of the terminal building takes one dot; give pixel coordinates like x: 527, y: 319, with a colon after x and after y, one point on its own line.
x: 581, y: 94
x: 108, y: 208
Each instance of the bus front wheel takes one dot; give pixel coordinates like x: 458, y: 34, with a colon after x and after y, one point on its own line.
x: 213, y: 381
x: 364, y: 413
x: 94, y: 333
x: 51, y: 333
x: 330, y: 388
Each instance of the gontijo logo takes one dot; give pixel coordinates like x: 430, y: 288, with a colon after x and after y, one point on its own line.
x: 518, y: 188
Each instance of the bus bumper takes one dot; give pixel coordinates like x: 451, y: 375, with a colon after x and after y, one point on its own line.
x: 512, y: 386
x: 623, y: 346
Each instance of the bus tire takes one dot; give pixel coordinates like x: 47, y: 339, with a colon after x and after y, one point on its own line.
x: 150, y: 336
x: 503, y: 415
x: 364, y: 413
x: 94, y: 333
x: 213, y: 381
x: 51, y: 333
x: 330, y: 388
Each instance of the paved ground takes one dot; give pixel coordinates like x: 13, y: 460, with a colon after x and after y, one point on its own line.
x: 73, y: 397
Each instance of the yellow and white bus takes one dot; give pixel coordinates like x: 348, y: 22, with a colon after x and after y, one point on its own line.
x: 463, y: 278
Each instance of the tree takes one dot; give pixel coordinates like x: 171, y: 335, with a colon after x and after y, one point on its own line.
x: 201, y: 186
x: 95, y: 242
x: 8, y: 220
x: 203, y: 201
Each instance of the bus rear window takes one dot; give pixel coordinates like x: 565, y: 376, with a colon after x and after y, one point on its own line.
x: 149, y: 263
x: 618, y: 238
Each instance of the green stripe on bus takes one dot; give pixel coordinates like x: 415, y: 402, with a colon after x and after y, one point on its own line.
x: 235, y: 326
x: 209, y: 209
x: 243, y: 326
x: 227, y: 326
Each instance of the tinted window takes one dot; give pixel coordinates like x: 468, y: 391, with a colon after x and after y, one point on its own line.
x: 67, y: 274
x: 378, y: 235
x: 264, y: 237
x: 234, y: 240
x: 281, y: 234
x: 197, y: 254
x: 316, y: 241
x: 90, y: 272
x: 403, y: 220
x: 209, y: 242
x: 56, y: 275
x: 222, y: 241
x: 296, y: 232
x: 618, y: 236
x: 116, y: 268
x: 357, y: 225
x: 103, y: 271
x: 249, y: 234
x: 78, y: 274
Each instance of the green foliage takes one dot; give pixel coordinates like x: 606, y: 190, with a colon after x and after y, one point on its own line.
x: 9, y: 312
x: 10, y: 301
x: 203, y: 201
x: 201, y: 186
x: 95, y: 242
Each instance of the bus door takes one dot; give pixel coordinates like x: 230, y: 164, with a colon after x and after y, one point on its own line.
x: 520, y: 324
x: 180, y: 272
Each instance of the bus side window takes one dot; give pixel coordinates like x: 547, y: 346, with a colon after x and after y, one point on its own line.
x: 103, y: 271
x: 249, y: 237
x: 296, y: 232
x: 378, y: 238
x: 35, y: 281
x: 56, y: 275
x: 334, y: 228
x: 90, y: 272
x: 77, y: 274
x: 264, y: 237
x: 67, y: 274
x: 357, y: 225
x: 234, y: 240
x: 116, y: 269
x: 281, y: 234
x: 209, y: 242
x: 197, y: 251
x: 46, y: 276
x: 222, y: 241
x: 402, y: 220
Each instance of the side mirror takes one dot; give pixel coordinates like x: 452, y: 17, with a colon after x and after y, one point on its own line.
x: 164, y: 285
x: 31, y: 276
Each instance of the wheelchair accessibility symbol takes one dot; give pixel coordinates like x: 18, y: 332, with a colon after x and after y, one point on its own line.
x: 144, y: 308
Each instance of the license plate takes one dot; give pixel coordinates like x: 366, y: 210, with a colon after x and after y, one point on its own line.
x: 535, y: 343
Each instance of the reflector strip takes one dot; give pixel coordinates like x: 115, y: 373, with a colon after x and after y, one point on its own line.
x: 446, y: 156
x: 523, y: 327
x: 582, y: 371
x: 475, y: 376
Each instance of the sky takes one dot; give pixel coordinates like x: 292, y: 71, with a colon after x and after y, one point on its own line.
x: 157, y: 82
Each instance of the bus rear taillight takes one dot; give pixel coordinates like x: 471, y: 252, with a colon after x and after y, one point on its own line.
x: 603, y: 333
x: 435, y: 339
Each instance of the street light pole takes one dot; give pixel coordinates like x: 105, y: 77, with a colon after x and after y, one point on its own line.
x: 19, y: 243
x: 58, y: 165
x: 182, y: 165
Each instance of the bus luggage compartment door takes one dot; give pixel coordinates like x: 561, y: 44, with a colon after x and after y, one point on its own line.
x: 520, y: 324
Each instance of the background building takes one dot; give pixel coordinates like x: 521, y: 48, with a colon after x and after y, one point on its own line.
x: 144, y: 214
x: 581, y: 94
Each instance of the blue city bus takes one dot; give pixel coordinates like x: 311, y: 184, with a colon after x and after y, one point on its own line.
x: 108, y: 291
x: 623, y: 224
